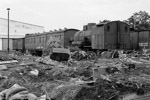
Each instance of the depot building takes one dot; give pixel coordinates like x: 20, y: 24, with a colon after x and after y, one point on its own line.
x: 17, y: 29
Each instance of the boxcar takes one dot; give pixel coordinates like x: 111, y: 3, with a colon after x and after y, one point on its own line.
x: 19, y: 44
x: 144, y: 39
x: 134, y: 38
x: 112, y: 35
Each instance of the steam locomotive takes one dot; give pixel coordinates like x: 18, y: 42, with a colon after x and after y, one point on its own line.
x: 110, y: 35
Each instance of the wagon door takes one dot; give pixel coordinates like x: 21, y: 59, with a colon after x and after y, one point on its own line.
x: 110, y: 34
x: 124, y: 36
x: 134, y: 38
x: 144, y: 40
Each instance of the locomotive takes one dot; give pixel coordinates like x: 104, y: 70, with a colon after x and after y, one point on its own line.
x: 110, y: 35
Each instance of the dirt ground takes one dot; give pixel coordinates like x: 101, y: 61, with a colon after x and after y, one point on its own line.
x: 50, y: 77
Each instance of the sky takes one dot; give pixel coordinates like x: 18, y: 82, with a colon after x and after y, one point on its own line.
x: 59, y: 14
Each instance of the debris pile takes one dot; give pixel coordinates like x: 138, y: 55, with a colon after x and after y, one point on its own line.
x: 6, y: 58
x: 82, y: 55
x: 83, y: 76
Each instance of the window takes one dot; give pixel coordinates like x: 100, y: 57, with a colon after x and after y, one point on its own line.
x: 39, y: 39
x: 31, y: 40
x: 43, y: 39
x: 34, y: 40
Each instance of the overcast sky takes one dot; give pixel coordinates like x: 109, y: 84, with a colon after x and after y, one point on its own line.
x: 55, y: 14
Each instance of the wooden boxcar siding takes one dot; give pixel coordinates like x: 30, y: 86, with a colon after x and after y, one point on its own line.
x: 97, y: 37
x: 110, y: 36
x: 124, y: 36
x: 21, y: 45
x: 117, y: 35
x: 144, y: 37
x: 68, y: 36
x: 5, y: 44
x: 134, y: 38
x: 15, y: 44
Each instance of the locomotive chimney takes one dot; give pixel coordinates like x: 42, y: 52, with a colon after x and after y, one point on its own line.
x: 90, y: 25
x: 84, y: 27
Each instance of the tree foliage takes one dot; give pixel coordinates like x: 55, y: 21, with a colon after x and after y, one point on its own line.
x: 139, y: 20
x: 104, y: 21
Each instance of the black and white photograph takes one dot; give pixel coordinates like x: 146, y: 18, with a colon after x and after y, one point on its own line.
x: 74, y: 50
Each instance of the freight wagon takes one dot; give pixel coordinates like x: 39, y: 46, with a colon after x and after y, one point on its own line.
x: 19, y: 44
x: 140, y: 39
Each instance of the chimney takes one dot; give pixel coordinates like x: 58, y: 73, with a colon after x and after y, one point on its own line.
x: 90, y: 25
x: 84, y: 27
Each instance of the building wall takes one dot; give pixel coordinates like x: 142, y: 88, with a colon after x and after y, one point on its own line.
x: 5, y: 42
x: 0, y: 44
x: 18, y: 28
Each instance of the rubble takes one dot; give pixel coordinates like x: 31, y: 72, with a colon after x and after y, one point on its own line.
x: 16, y: 92
x: 3, y: 67
x: 6, y: 58
x: 8, y: 62
x: 82, y: 55
x: 84, y: 76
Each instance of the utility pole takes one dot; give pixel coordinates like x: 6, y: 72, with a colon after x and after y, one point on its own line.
x: 8, y: 29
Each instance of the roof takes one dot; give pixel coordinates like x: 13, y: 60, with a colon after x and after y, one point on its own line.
x: 12, y: 36
x: 23, y: 22
x: 102, y: 24
x: 35, y: 34
x: 59, y: 31
x: 51, y: 32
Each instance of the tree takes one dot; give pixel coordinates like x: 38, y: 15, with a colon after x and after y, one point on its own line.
x: 139, y: 20
x: 105, y: 21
